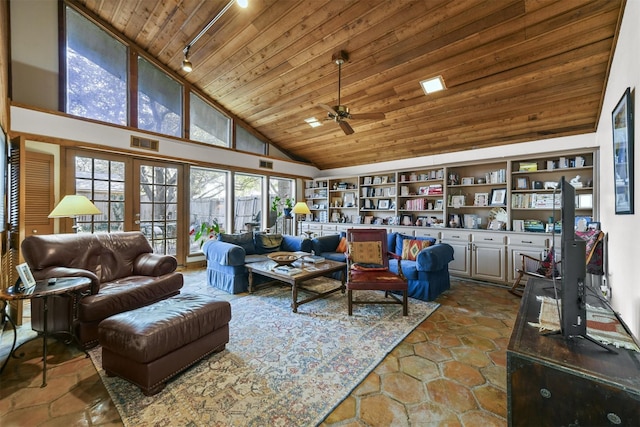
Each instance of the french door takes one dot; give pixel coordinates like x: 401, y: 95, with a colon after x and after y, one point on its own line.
x: 158, y: 191
x: 132, y: 194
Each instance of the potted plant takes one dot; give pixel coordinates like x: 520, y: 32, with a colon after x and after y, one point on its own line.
x: 205, y: 232
x: 288, y: 205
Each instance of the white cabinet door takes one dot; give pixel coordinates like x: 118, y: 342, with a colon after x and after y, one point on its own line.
x: 460, y: 241
x: 489, y: 262
x: 534, y: 245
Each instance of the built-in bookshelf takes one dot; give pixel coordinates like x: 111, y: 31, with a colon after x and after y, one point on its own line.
x: 515, y: 194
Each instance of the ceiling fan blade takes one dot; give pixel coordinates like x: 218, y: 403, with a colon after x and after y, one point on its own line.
x: 346, y: 128
x: 368, y: 116
x: 329, y: 109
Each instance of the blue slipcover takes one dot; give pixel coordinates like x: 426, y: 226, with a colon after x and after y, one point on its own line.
x: 226, y: 261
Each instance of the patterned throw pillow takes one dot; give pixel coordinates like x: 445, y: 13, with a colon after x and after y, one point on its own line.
x: 366, y: 252
x: 411, y: 248
x: 342, y: 246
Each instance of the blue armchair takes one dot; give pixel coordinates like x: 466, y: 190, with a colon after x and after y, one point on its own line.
x: 227, y: 256
x: 428, y: 275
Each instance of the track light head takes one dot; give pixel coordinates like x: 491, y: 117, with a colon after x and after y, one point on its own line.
x: 187, y: 65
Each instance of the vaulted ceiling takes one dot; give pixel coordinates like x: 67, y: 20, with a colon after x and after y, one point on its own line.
x: 515, y: 70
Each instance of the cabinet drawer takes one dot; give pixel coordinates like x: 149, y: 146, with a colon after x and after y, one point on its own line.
x: 490, y: 238
x: 428, y: 232
x: 535, y: 240
x: 329, y: 227
x: 460, y: 235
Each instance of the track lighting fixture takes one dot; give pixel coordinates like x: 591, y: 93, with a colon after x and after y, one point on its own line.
x: 187, y: 66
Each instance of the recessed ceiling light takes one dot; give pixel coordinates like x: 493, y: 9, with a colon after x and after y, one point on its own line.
x: 433, y: 84
x: 313, y: 122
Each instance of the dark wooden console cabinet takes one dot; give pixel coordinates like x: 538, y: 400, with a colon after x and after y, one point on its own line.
x: 553, y: 381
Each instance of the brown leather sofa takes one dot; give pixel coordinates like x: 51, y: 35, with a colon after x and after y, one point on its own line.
x: 125, y: 274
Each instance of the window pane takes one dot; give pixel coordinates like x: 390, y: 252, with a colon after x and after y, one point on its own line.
x: 208, y: 200
x: 208, y: 124
x: 248, y: 202
x: 92, y: 180
x: 159, y: 100
x: 96, y: 72
x: 281, y: 191
x: 247, y: 142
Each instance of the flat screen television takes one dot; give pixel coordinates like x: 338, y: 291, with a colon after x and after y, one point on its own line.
x: 573, y: 320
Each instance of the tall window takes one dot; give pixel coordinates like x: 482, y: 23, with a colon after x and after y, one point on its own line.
x: 103, y: 182
x: 208, y: 124
x: 281, y: 191
x: 248, y: 202
x: 159, y: 100
x: 207, y: 200
x: 96, y: 72
x: 245, y: 141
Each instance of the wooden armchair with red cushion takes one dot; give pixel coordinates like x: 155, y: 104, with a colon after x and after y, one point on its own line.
x: 368, y: 269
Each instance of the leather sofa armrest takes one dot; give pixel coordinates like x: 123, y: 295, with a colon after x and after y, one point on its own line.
x: 434, y: 258
x: 154, y: 265
x: 50, y: 272
x: 223, y: 253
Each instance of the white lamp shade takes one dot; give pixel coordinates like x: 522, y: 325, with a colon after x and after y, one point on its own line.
x: 73, y: 205
x: 301, y: 208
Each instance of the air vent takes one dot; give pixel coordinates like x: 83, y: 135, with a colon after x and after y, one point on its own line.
x: 145, y: 143
x: 266, y: 165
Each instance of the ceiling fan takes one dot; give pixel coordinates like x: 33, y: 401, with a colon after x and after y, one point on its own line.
x: 340, y: 113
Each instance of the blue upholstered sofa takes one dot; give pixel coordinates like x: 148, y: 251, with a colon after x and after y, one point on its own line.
x: 227, y: 256
x: 428, y: 275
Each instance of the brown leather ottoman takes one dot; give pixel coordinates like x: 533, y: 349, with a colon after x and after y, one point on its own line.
x: 151, y: 344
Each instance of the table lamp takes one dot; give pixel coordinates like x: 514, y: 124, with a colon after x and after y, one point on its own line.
x: 73, y: 206
x: 301, y: 208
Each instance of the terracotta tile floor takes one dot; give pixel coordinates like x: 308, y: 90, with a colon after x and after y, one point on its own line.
x: 450, y: 371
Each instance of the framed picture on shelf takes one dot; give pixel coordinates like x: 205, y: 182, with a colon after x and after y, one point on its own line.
x: 422, y: 221
x: 594, y: 225
x: 498, y: 196
x: 439, y: 205
x: 522, y: 183
x: 25, y: 275
x: 368, y: 204
x: 457, y: 201
x: 622, y: 118
x: 383, y: 204
x: 423, y: 190
x: 468, y: 180
x: 377, y: 180
x: 384, y: 179
x: 481, y: 199
x: 368, y: 219
x: 366, y: 180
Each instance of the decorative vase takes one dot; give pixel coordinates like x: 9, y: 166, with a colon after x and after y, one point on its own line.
x: 287, y: 213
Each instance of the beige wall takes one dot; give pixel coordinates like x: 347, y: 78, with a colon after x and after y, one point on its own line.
x: 623, y: 230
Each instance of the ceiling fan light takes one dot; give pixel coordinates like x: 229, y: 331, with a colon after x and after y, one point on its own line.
x: 434, y: 84
x: 243, y: 3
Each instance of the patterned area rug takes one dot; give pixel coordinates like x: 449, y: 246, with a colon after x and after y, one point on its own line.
x: 279, y: 368
x: 602, y: 324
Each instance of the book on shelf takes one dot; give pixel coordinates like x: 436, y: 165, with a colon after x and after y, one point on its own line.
x: 287, y: 269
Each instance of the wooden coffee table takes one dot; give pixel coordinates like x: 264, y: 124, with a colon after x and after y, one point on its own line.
x: 309, y: 271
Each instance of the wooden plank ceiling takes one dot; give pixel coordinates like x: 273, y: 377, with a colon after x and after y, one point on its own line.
x: 515, y: 70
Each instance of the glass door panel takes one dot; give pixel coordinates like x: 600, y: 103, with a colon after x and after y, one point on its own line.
x: 158, y: 205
